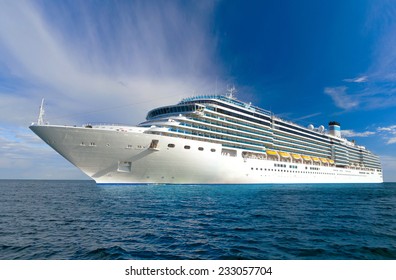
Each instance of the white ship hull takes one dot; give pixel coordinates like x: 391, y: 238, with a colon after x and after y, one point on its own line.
x: 112, y: 155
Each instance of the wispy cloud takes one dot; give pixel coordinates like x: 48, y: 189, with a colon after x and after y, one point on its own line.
x: 389, y: 133
x: 352, y: 133
x: 382, y: 20
x: 341, y: 98
x: 391, y: 140
x: 361, y: 79
x: 375, y: 88
x: 24, y: 156
x: 391, y: 128
x: 375, y: 95
x: 308, y: 116
x: 102, y: 63
x: 82, y: 55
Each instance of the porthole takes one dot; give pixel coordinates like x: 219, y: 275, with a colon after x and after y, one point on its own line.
x: 171, y: 145
x: 200, y: 149
x: 187, y: 147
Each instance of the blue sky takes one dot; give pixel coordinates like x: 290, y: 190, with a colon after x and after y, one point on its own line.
x: 112, y: 61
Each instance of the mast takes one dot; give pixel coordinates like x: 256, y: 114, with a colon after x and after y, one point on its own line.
x: 40, y: 120
x: 231, y: 91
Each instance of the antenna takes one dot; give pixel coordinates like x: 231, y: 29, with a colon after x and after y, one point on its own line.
x: 231, y: 91
x: 40, y: 120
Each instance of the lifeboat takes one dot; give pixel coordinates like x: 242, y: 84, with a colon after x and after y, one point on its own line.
x: 331, y: 161
x: 324, y: 160
x: 296, y: 156
x: 284, y: 155
x: 307, y: 158
x: 315, y: 159
x: 271, y: 153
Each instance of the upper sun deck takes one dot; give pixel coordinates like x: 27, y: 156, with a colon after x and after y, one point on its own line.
x: 198, y: 103
x: 226, y: 99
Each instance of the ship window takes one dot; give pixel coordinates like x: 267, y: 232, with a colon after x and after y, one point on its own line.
x: 171, y: 145
x: 200, y: 149
x: 187, y: 147
x: 213, y: 150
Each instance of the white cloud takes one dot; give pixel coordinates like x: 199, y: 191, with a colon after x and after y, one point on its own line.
x: 145, y: 53
x: 308, y: 116
x: 382, y: 20
x: 351, y: 133
x: 341, y: 98
x: 361, y: 79
x: 374, y: 88
x: 25, y: 156
x: 95, y: 63
x: 391, y: 128
x: 391, y: 140
x: 374, y: 95
x: 388, y: 134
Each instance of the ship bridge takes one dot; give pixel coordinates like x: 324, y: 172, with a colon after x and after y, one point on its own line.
x: 167, y: 111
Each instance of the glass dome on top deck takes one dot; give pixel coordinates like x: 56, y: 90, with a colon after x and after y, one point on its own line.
x: 174, y: 110
x: 227, y: 99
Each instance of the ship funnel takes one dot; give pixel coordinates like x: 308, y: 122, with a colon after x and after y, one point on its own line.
x: 335, y: 129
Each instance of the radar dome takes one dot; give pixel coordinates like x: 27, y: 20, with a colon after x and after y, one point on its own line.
x: 310, y: 127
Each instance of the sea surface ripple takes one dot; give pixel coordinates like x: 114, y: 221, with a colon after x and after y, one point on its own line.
x: 80, y: 220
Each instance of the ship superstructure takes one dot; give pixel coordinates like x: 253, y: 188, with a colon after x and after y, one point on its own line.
x: 213, y: 139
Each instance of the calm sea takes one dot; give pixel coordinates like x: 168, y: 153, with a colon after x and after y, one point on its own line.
x: 80, y: 220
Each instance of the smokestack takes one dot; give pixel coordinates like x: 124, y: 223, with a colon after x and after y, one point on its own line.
x: 335, y: 129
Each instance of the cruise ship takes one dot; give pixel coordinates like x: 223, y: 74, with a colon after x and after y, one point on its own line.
x: 212, y: 139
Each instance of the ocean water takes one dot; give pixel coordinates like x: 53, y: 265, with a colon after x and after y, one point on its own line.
x: 80, y: 220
